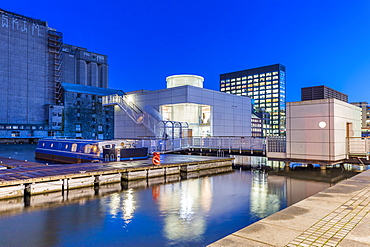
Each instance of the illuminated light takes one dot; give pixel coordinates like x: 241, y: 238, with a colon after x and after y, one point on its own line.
x: 322, y: 124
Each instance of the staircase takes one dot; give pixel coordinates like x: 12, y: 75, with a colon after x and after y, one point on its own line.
x: 133, y: 111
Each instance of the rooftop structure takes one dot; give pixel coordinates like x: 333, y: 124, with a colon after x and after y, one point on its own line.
x: 322, y: 92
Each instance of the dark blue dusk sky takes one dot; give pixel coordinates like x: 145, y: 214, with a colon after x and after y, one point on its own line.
x: 321, y: 42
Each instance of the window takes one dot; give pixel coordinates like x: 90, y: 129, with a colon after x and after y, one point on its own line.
x: 16, y: 134
x: 100, y: 128
x: 74, y: 147
x: 88, y: 149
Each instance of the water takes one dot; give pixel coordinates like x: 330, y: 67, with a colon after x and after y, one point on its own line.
x: 193, y: 212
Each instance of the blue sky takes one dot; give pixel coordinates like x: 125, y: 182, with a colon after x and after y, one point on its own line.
x: 321, y: 42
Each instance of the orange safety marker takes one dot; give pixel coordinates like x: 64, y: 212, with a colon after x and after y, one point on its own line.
x: 156, y: 160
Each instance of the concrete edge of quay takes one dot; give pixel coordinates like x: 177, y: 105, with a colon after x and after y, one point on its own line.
x: 337, y: 216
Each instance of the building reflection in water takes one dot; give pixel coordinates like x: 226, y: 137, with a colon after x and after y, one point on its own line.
x: 266, y: 194
x: 185, y: 207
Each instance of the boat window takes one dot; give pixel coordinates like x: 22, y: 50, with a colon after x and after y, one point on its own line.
x: 87, y: 148
x: 43, y: 144
x: 95, y: 149
x: 52, y: 145
x: 66, y: 147
x: 74, y: 147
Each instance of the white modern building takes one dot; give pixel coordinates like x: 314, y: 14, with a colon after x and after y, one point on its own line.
x: 184, y: 103
x: 318, y: 131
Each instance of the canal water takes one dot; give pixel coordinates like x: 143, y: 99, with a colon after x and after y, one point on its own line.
x: 183, y: 212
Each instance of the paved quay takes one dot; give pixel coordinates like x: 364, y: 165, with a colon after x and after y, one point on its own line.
x: 337, y: 216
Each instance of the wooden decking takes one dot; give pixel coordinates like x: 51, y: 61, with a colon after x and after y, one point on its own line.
x: 35, y: 178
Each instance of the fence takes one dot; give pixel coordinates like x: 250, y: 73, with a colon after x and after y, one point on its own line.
x: 219, y: 143
x: 276, y: 144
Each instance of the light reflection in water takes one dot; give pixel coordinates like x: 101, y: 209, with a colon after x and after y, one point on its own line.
x: 185, y: 207
x: 192, y: 212
x: 121, y: 205
x: 263, y: 200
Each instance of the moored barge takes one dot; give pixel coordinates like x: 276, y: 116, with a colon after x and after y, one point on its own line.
x: 82, y: 151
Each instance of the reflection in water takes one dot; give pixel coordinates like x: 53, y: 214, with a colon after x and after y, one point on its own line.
x: 263, y: 200
x: 121, y: 205
x: 193, y: 212
x: 185, y: 207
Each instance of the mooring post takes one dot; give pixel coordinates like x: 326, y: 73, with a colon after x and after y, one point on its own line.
x: 287, y: 165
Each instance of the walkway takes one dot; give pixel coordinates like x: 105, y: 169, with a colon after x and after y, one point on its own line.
x: 337, y: 216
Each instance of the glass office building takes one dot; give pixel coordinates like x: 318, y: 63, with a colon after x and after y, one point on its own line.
x: 266, y: 86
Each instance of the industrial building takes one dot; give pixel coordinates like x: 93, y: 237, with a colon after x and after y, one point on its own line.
x: 266, y: 86
x: 84, y: 115
x: 322, y: 92
x: 83, y: 67
x: 33, y: 64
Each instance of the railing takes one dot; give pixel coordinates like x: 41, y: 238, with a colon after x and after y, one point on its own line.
x: 135, y: 113
x: 276, y: 144
x: 358, y: 146
x: 215, y: 143
x: 127, y: 106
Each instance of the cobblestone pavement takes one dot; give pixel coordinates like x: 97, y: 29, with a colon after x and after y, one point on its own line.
x: 338, y: 216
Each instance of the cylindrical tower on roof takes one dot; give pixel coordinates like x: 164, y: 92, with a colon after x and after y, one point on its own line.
x: 182, y: 80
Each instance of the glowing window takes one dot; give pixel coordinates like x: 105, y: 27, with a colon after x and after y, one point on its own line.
x: 88, y: 148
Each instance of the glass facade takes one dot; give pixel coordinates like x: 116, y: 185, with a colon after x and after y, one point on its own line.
x: 266, y: 86
x: 197, y: 116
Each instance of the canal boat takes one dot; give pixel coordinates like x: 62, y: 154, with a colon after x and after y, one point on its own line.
x: 81, y: 150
